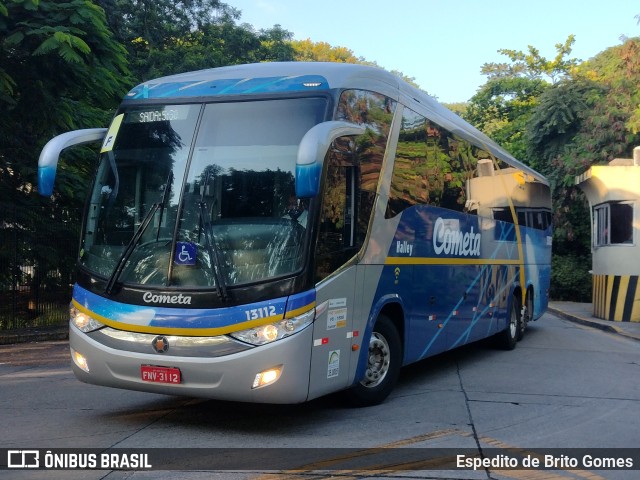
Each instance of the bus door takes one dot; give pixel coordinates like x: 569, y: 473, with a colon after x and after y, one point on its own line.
x: 336, y: 274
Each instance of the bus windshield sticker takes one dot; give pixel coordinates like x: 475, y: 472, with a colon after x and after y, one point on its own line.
x: 333, y: 369
x: 110, y: 138
x: 185, y: 253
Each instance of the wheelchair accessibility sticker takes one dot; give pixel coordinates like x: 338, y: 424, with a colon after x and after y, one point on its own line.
x: 185, y: 253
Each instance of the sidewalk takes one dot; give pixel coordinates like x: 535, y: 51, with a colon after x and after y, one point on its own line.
x: 26, y: 335
x: 581, y: 313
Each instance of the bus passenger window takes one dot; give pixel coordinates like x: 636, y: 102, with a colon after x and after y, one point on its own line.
x: 351, y: 183
x: 409, y: 179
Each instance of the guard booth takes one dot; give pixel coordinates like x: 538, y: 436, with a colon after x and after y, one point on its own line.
x: 613, y: 192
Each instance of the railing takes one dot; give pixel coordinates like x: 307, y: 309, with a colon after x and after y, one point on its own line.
x: 38, y: 249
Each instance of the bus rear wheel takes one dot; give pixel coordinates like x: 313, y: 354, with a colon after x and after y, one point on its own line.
x: 384, y: 359
x: 508, y: 338
x: 527, y: 316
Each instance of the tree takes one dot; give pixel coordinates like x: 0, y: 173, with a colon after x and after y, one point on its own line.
x: 60, y: 70
x: 585, y: 120
x: 559, y: 116
x: 533, y: 65
x: 502, y: 107
x: 309, y: 51
x: 164, y: 37
x: 534, y: 108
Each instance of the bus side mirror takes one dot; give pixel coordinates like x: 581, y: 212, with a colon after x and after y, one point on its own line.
x: 48, y: 161
x: 312, y: 150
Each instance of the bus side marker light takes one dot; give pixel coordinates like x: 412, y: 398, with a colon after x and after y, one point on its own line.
x: 355, y: 347
x: 440, y: 325
x: 267, y: 377
x: 80, y: 360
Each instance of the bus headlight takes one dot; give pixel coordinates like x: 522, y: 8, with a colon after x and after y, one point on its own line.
x: 275, y: 331
x: 83, y: 322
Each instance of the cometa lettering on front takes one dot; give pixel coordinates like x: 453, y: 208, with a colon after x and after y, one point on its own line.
x: 448, y: 239
x: 179, y: 299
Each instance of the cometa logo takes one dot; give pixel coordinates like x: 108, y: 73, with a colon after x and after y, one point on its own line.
x: 448, y: 239
x: 179, y: 299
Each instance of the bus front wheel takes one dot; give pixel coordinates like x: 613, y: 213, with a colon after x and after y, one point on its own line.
x: 384, y: 359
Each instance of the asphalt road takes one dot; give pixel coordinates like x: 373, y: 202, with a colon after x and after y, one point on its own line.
x: 565, y: 386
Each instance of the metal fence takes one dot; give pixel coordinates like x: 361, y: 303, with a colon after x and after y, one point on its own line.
x: 38, y: 248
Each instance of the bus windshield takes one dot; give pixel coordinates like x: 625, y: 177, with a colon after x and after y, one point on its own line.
x: 200, y: 196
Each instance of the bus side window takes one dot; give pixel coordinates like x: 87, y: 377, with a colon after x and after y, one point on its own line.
x: 432, y: 166
x: 351, y: 182
x: 409, y: 179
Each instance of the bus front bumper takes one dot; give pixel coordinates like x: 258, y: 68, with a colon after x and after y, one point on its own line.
x: 228, y: 377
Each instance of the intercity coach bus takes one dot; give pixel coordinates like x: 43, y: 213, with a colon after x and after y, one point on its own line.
x: 276, y: 232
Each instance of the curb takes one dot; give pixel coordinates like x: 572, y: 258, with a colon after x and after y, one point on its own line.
x: 592, y: 324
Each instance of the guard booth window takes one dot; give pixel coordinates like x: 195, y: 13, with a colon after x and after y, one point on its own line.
x: 613, y: 223
x: 351, y: 181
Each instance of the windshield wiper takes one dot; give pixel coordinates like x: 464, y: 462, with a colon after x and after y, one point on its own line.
x: 165, y: 197
x: 130, y: 248
x: 211, y: 245
x: 212, y: 248
x: 137, y: 235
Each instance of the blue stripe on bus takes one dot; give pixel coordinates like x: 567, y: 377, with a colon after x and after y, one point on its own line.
x: 239, y: 86
x: 301, y: 303
x: 165, y: 317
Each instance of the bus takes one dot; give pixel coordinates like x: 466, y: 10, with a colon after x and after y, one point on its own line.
x: 276, y: 232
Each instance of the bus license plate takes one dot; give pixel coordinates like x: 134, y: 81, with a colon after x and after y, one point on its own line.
x: 152, y: 373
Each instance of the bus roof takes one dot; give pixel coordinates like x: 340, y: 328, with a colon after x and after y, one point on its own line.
x: 281, y: 77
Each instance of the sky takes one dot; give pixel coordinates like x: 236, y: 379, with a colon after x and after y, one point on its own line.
x: 443, y: 44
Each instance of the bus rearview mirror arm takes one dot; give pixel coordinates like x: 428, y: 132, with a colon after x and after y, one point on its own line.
x: 312, y: 150
x: 48, y: 161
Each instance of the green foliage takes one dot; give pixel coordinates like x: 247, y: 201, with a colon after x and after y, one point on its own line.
x: 504, y: 105
x: 583, y: 121
x: 559, y: 116
x: 570, y: 278
x: 61, y: 70
x: 309, y: 51
x: 164, y: 37
x: 533, y: 65
x: 502, y: 108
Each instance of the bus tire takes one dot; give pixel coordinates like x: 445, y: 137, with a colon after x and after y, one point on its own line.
x: 508, y: 338
x: 524, y: 319
x: 383, y: 366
